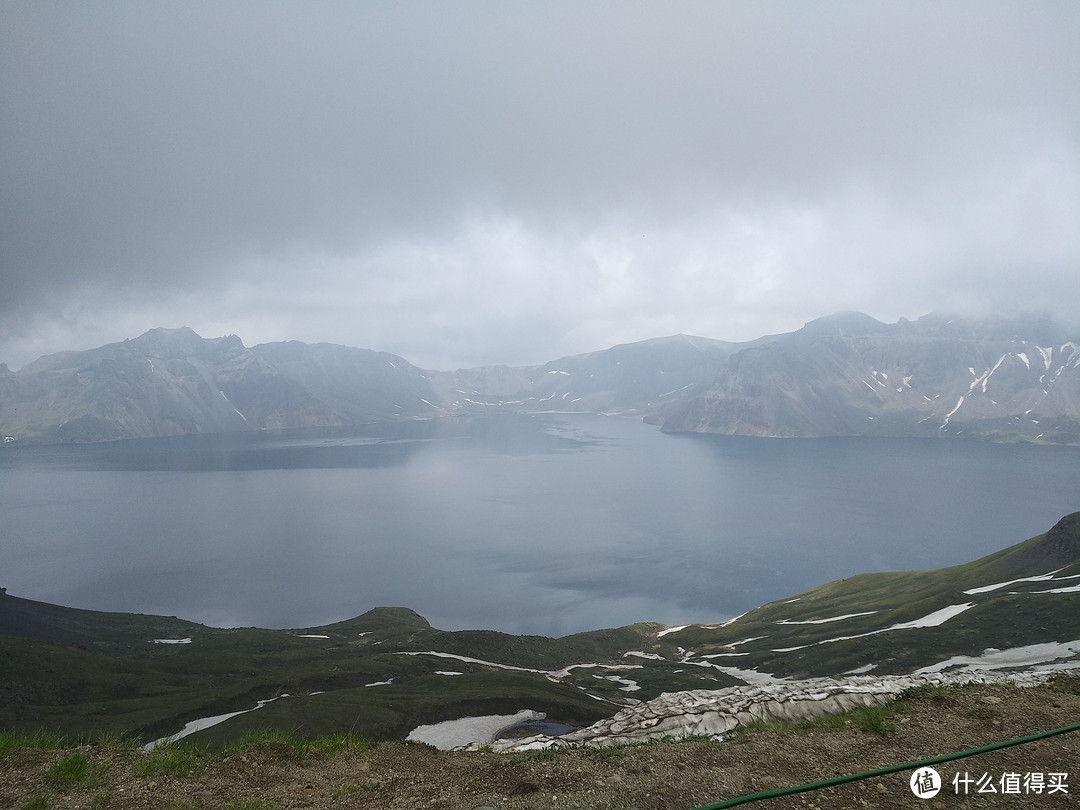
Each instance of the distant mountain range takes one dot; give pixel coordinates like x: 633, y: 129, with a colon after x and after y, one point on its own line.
x: 843, y: 375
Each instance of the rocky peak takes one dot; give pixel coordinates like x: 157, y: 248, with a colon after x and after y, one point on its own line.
x: 1063, y: 540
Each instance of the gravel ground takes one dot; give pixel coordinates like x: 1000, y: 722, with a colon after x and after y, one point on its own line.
x: 664, y: 775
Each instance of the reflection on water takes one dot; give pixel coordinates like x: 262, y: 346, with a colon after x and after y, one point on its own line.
x: 377, y: 445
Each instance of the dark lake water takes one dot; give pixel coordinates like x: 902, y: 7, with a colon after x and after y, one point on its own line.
x: 547, y: 525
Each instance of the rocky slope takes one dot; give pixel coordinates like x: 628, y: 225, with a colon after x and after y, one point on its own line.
x: 172, y: 381
x: 850, y: 375
x: 845, y: 375
x: 634, y: 378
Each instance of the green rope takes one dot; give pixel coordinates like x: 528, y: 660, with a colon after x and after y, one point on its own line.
x: 907, y: 766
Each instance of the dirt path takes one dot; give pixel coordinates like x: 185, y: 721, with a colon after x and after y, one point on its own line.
x: 648, y: 777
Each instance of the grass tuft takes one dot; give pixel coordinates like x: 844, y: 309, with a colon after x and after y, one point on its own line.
x: 540, y: 754
x: 933, y: 691
x: 174, y: 759
x: 876, y: 719
x: 771, y: 724
x: 338, y: 743
x: 287, y: 745
x: 18, y: 740
x: 76, y: 769
x: 118, y: 740
x: 1069, y: 684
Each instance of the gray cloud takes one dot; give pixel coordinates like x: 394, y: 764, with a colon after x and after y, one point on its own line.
x: 465, y: 183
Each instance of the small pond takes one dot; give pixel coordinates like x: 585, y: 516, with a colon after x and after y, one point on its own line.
x: 530, y: 728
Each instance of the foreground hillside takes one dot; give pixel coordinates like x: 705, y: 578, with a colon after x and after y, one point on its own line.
x: 383, y: 674
x: 1015, y: 600
x: 281, y: 773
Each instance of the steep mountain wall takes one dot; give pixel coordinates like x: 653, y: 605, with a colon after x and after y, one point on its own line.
x: 845, y: 375
x: 853, y: 376
x: 173, y: 382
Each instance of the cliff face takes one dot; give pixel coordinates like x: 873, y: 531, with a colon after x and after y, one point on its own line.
x: 850, y: 375
x: 632, y: 378
x: 172, y: 381
x: 846, y: 375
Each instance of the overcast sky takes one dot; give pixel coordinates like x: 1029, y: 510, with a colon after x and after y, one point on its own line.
x: 466, y: 183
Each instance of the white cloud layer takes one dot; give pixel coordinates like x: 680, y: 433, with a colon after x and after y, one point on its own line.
x: 467, y: 183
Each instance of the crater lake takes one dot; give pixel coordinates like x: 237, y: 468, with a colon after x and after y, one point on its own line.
x: 549, y: 524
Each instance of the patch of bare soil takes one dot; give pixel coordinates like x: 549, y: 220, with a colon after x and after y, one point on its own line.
x: 658, y: 776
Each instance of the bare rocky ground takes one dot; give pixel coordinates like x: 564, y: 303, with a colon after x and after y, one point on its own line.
x: 655, y: 776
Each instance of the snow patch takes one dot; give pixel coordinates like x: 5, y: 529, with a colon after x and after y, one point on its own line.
x: 628, y: 685
x: 935, y: 619
x: 481, y: 661
x: 938, y: 617
x: 860, y: 670
x: 746, y: 641
x: 1047, y: 354
x: 997, y: 585
x: 826, y: 621
x: 1013, y: 657
x: 750, y: 676
x: 1067, y: 589
x: 672, y: 630
x: 948, y: 416
x: 469, y: 730
x: 233, y: 406
x: 677, y: 390
x: 734, y: 619
x: 204, y: 722
x: 721, y: 655
x: 982, y: 378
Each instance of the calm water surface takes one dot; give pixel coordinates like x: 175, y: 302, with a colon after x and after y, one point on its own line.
x: 547, y: 525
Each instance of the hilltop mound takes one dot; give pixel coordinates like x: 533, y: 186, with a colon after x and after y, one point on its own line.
x: 1063, y: 540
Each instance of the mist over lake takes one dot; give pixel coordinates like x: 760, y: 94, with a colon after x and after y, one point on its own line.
x: 548, y: 525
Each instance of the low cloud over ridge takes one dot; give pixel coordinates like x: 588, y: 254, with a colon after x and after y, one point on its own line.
x: 466, y: 184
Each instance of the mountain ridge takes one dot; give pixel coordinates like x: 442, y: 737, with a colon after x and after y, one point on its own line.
x: 841, y: 375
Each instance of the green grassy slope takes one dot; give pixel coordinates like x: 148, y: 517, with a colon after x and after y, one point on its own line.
x: 1013, y: 615
x: 85, y: 673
